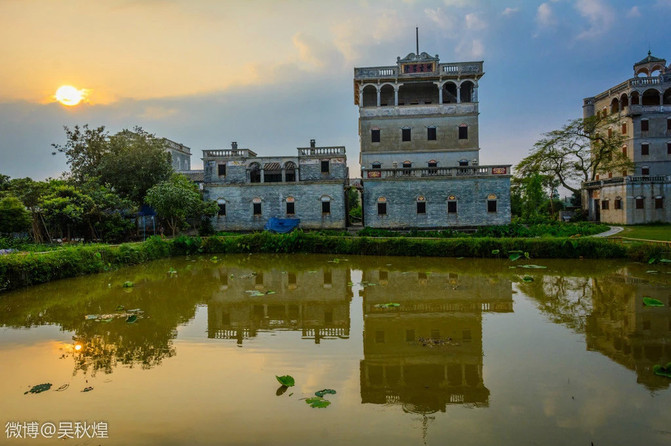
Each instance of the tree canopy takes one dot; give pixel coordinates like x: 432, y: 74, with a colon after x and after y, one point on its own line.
x: 577, y: 152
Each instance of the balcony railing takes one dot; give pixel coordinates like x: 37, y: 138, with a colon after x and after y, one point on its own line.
x: 455, y: 68
x: 628, y: 179
x: 433, y: 172
x: 223, y: 153
x: 321, y: 151
x: 420, y: 109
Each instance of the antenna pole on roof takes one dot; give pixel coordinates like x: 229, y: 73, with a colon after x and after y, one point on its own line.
x: 417, y: 38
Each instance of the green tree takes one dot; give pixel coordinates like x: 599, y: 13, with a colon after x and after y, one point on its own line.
x: 84, y: 149
x: 577, y: 152
x: 109, y: 219
x: 14, y: 217
x: 65, y: 209
x: 177, y: 200
x: 354, y: 204
x: 30, y: 193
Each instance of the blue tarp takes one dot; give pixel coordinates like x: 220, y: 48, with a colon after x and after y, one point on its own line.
x: 282, y: 225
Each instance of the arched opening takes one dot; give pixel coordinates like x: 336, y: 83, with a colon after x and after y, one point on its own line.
x: 289, y: 171
x: 449, y: 93
x: 667, y: 96
x: 387, y: 95
x: 635, y: 100
x: 255, y: 173
x: 614, y: 106
x: 290, y: 206
x: 406, y: 167
x: 421, y: 205
x: 369, y: 96
x: 643, y: 71
x: 624, y: 101
x: 376, y: 165
x: 466, y: 91
x: 651, y: 97
x: 656, y: 70
x: 418, y: 93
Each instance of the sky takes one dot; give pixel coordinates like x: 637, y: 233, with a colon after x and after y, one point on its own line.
x: 272, y: 74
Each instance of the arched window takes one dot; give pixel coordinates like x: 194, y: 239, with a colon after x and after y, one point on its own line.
x: 491, y: 203
x: 387, y: 95
x: 451, y: 204
x: 289, y: 171
x: 614, y: 106
x: 326, y: 204
x: 651, y: 97
x: 421, y: 205
x: 449, y: 93
x: 369, y: 96
x: 466, y: 91
x: 463, y: 163
x: 624, y: 101
x: 222, y: 207
x: 290, y: 206
x: 433, y: 167
x: 254, y: 173
x: 667, y: 96
x: 376, y: 165
x: 635, y: 98
x: 406, y: 167
x: 382, y: 206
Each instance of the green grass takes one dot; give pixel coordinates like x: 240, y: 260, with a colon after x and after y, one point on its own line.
x: 648, y: 232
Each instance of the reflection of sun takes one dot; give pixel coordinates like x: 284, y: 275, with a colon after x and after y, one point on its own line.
x: 69, y: 95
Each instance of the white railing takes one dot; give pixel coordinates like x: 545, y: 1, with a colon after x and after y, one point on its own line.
x: 320, y: 151
x: 228, y: 153
x: 431, y: 172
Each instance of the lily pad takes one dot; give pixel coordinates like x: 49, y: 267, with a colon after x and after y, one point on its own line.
x: 62, y: 388
x: 533, y: 266
x: 318, y: 402
x: 495, y: 251
x: 87, y: 389
x: 286, y: 380
x: 664, y: 261
x: 280, y: 390
x: 514, y: 257
x: 662, y: 371
x: 131, y: 319
x: 128, y: 284
x: 650, y: 302
x: 321, y: 393
x: 120, y: 308
x: 39, y: 388
x: 388, y: 305
x: 527, y: 279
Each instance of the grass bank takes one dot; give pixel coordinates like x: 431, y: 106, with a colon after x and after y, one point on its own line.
x: 24, y: 269
x: 658, y: 232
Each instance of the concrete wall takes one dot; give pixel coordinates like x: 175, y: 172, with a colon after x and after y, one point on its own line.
x: 418, y: 159
x: 180, y: 161
x: 471, y: 193
x: 308, y: 204
x: 628, y: 192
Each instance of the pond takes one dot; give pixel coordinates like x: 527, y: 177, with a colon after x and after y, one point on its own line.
x: 417, y: 350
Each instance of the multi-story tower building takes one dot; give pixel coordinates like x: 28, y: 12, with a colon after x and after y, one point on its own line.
x: 250, y: 189
x: 642, y: 105
x: 418, y: 128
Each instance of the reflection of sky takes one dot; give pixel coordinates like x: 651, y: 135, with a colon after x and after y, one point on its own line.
x: 273, y: 75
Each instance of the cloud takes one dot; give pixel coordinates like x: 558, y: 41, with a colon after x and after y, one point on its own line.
x: 599, y: 15
x: 634, y: 12
x: 545, y: 16
x: 471, y: 49
x: 509, y: 11
x: 473, y: 22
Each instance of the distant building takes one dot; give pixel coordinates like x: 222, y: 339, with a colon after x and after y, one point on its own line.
x: 419, y: 134
x: 250, y: 189
x: 181, y: 155
x: 643, y: 106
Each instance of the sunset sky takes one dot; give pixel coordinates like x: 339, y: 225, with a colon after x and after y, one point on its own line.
x: 273, y: 74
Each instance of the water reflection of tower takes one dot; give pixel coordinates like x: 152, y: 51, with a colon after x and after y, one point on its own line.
x: 314, y: 302
x: 627, y: 331
x: 427, y: 352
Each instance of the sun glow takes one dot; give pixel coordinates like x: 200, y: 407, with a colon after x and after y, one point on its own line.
x: 69, y: 95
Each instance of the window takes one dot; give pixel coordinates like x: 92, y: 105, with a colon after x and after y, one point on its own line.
x: 618, y: 203
x: 645, y: 149
x: 257, y: 206
x: 645, y: 125
x: 254, y: 173
x: 375, y: 135
x: 645, y: 170
x: 451, y: 204
x: 659, y: 203
x: 421, y: 205
x: 291, y: 206
x: 604, y: 204
x: 290, y: 172
x: 405, y: 134
x: 433, y: 167
x: 640, y: 203
x: 624, y: 150
x: 222, y: 207
x: 431, y: 133
x: 325, y: 166
x: 326, y: 205
x: 624, y: 129
x: 377, y: 165
x: 221, y: 170
x: 491, y: 203
x: 668, y: 123
x: 668, y: 148
x: 406, y: 167
x: 610, y: 133
x: 463, y: 132
x: 381, y: 206
x: 463, y: 163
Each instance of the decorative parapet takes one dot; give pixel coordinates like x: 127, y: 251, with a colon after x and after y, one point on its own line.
x: 228, y: 153
x: 631, y: 179
x: 321, y: 151
x: 436, y: 172
x: 421, y: 109
x: 636, y: 82
x: 454, y: 69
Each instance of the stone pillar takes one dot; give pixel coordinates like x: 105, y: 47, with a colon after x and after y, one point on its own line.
x: 262, y: 176
x: 475, y: 93
x: 459, y: 94
x: 284, y: 175
x: 396, y: 87
x: 377, y: 92
x: 440, y: 92
x: 360, y: 96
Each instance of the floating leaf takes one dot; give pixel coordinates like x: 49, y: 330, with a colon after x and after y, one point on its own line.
x: 514, y: 257
x: 650, y: 302
x: 652, y: 271
x: 496, y: 251
x: 662, y: 371
x: 39, y: 388
x: 321, y: 393
x: 172, y: 271
x: 131, y: 319
x: 388, y: 305
x: 527, y: 279
x: 128, y: 284
x: 62, y: 388
x: 286, y: 380
x: 280, y: 390
x: 120, y: 308
x: 87, y: 389
x: 533, y: 266
x: 664, y: 261
x: 652, y: 260
x: 318, y: 402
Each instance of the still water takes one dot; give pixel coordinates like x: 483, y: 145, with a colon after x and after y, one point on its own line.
x: 470, y: 353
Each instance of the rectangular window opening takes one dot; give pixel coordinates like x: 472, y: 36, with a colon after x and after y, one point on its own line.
x: 421, y: 207
x: 222, y: 209
x: 645, y: 149
x: 257, y: 208
x: 431, y: 133
x: 618, y: 204
x: 604, y: 204
x: 382, y: 209
x: 375, y: 135
x: 624, y: 129
x: 645, y: 171
x: 221, y: 170
x: 326, y: 207
x: 325, y: 166
x: 405, y: 134
x: 491, y: 205
x: 640, y: 203
x: 659, y: 203
x: 451, y: 207
x: 463, y: 132
x: 291, y: 210
x: 645, y: 125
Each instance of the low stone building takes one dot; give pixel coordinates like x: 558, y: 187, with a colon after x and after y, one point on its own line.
x: 181, y: 155
x: 419, y: 133
x: 642, y: 106
x: 250, y: 189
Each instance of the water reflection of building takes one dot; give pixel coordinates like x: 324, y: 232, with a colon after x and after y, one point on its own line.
x: 427, y: 352
x: 314, y: 302
x: 628, y: 332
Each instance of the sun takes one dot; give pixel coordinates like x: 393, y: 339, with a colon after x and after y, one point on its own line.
x: 69, y: 95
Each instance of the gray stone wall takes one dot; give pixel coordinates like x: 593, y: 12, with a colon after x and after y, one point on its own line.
x: 418, y: 159
x: 401, y: 196
x: 628, y: 192
x: 180, y: 161
x: 310, y: 168
x: 307, y: 203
